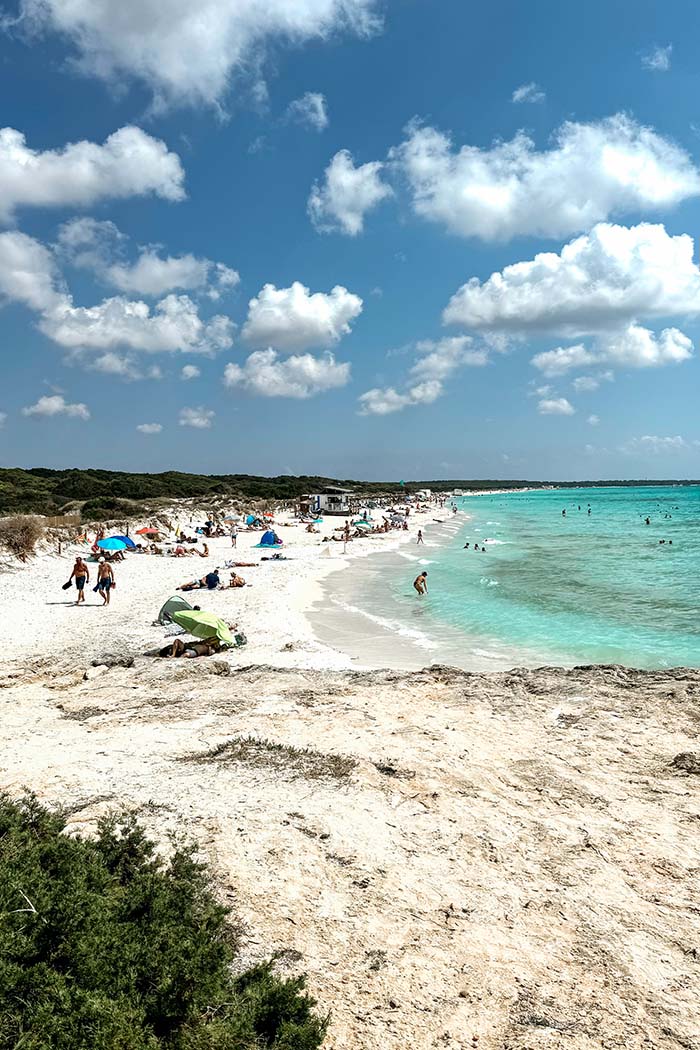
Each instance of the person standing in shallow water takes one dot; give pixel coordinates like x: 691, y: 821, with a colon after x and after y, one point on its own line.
x: 421, y: 583
x: 420, y: 536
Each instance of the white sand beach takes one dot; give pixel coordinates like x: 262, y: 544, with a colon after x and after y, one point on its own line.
x: 456, y: 860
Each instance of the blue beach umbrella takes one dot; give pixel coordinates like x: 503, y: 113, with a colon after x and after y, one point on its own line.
x: 112, y: 543
x: 126, y: 540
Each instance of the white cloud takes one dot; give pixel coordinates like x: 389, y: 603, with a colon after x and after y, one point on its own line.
x: 437, y: 361
x: 189, y: 53
x: 631, y: 347
x: 190, y: 372
x: 340, y: 202
x: 56, y: 405
x: 658, y: 60
x: 173, y: 325
x: 528, y: 93
x: 381, y: 402
x: 298, y: 376
x: 650, y: 444
x: 556, y: 406
x: 199, y: 418
x: 130, y: 163
x: 564, y: 359
x: 593, y: 420
x: 3, y: 418
x: 99, y: 246
x: 294, y: 319
x: 309, y: 110
x: 637, y: 347
x: 28, y: 273
x: 149, y: 428
x: 599, y: 282
x: 585, y: 384
x: 593, y: 171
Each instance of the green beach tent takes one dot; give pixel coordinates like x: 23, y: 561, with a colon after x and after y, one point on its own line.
x: 203, y: 625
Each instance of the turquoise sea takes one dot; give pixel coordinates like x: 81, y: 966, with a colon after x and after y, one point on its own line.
x: 550, y: 588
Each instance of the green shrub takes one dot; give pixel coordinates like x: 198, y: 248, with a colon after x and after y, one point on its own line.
x: 105, y: 947
x: 20, y: 534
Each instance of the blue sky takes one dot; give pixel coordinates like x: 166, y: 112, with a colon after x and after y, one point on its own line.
x: 158, y: 212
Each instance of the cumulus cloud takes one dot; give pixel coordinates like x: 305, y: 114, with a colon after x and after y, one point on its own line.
x: 309, y: 110
x: 28, y: 275
x: 129, y: 163
x: 295, y: 319
x: 56, y: 405
x: 99, y: 246
x: 631, y: 347
x: 658, y: 60
x: 188, y: 53
x: 555, y: 406
x: 528, y: 93
x: 651, y: 444
x: 600, y: 281
x: 299, y: 376
x: 340, y: 202
x: 173, y: 325
x: 3, y: 418
x: 190, y: 372
x: 198, y: 418
x: 557, y: 362
x: 149, y: 428
x: 436, y: 361
x: 593, y: 420
x: 593, y: 171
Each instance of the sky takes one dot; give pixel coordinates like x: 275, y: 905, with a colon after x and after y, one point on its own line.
x: 379, y: 239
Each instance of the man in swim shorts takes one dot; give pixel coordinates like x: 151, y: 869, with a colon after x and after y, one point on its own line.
x: 105, y: 580
x: 81, y: 575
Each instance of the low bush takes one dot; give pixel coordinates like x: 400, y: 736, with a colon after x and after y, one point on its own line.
x: 20, y: 534
x: 105, y: 947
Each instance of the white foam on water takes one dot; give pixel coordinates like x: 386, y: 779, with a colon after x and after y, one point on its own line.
x: 417, y: 637
x: 426, y: 561
x: 488, y: 582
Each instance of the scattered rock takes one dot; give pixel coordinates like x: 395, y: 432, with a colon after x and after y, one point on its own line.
x: 219, y: 667
x: 113, y: 660
x: 94, y: 672
x: 688, y: 761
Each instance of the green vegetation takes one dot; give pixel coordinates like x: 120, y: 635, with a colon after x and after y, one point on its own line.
x: 105, y: 947
x: 114, y: 494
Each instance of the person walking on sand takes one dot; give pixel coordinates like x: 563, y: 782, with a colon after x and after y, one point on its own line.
x: 421, y: 583
x: 105, y: 580
x: 81, y: 575
x: 420, y: 536
x: 234, y: 536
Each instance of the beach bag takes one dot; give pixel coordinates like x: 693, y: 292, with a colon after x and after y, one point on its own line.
x: 66, y: 585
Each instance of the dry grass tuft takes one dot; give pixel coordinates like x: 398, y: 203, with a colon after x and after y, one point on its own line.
x: 257, y: 752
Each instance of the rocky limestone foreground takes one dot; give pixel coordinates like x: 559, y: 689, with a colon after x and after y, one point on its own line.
x: 456, y: 860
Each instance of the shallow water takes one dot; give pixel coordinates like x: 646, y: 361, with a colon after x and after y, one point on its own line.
x: 566, y: 589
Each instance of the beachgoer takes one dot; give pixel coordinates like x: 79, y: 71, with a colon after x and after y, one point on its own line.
x: 421, y: 583
x: 105, y: 580
x: 81, y: 575
x: 563, y: 513
x: 420, y: 536
x: 211, y: 581
x: 234, y: 536
x: 647, y: 521
x: 466, y: 547
x: 236, y: 581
